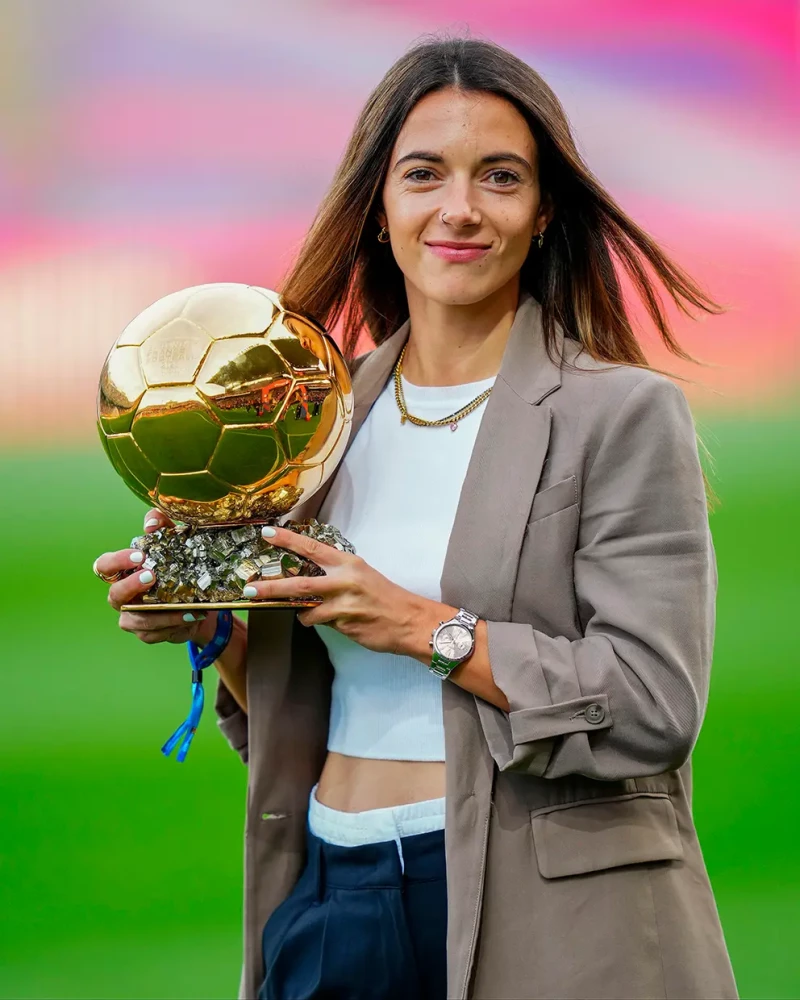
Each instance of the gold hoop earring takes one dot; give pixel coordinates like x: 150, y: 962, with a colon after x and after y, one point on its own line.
x: 383, y: 235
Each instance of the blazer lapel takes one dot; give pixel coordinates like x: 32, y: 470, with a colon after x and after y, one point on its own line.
x: 480, y: 565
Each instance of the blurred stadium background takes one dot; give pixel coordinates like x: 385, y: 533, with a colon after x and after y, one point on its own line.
x: 146, y: 146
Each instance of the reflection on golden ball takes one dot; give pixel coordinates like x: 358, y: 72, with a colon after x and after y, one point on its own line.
x: 217, y: 404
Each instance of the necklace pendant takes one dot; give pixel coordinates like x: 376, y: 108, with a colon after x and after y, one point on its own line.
x: 453, y: 426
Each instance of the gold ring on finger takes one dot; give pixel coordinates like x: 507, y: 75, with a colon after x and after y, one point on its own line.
x: 105, y: 579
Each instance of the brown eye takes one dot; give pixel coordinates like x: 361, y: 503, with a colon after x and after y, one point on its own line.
x: 509, y: 175
x: 418, y: 170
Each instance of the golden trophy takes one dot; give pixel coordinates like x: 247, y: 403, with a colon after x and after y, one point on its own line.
x: 224, y: 409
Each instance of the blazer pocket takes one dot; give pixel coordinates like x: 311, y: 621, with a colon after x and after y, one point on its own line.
x: 554, y: 498
x: 593, y: 836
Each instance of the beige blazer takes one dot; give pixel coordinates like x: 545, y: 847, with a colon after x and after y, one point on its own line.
x: 582, y: 538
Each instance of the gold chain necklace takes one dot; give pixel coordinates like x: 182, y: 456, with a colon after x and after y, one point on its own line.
x: 452, y: 420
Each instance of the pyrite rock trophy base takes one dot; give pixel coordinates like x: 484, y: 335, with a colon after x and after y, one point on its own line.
x: 202, y: 569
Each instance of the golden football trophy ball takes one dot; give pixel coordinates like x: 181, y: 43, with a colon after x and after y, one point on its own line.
x: 224, y: 409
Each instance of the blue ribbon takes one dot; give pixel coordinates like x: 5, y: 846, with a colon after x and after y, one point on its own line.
x: 200, y: 659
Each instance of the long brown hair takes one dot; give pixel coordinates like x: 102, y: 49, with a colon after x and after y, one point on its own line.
x: 343, y: 272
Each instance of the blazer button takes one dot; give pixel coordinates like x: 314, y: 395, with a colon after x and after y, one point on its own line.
x: 594, y: 713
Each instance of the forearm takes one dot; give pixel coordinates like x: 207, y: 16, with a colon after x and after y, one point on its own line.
x: 232, y: 663
x: 475, y: 673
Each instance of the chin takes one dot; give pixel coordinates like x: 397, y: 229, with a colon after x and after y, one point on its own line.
x: 458, y: 293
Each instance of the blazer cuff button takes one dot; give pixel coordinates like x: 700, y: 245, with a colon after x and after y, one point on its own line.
x: 594, y: 713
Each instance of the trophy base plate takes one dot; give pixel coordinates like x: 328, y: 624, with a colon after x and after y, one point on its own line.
x: 220, y: 605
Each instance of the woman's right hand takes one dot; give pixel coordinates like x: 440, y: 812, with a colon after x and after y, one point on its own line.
x: 151, y: 626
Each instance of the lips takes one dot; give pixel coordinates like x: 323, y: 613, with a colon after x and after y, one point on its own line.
x: 458, y: 252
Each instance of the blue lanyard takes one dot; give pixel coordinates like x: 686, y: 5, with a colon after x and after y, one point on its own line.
x: 200, y: 659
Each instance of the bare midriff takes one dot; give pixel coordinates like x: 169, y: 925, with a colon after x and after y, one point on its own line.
x: 355, y: 784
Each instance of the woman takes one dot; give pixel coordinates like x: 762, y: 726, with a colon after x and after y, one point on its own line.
x: 516, y: 470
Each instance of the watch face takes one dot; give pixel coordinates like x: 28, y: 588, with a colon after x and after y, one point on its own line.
x: 453, y: 641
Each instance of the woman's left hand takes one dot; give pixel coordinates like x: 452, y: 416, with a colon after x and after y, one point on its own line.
x: 358, y: 601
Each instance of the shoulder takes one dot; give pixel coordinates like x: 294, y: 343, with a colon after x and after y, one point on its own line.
x: 604, y: 389
x: 618, y: 412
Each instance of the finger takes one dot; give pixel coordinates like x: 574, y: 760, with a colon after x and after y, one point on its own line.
x: 291, y: 586
x: 129, y: 589
x: 311, y: 548
x: 110, y: 563
x: 321, y: 615
x: 155, y: 519
x: 157, y: 621
x: 179, y: 635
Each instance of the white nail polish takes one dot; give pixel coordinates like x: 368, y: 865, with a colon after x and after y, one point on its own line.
x: 137, y: 557
x: 250, y: 592
x: 146, y: 577
x: 151, y: 522
x: 267, y: 532
x: 189, y: 617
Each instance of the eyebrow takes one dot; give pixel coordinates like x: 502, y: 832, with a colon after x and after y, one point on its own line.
x: 421, y: 154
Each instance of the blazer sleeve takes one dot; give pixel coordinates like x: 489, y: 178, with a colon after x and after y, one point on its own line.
x: 627, y: 698
x: 232, y: 720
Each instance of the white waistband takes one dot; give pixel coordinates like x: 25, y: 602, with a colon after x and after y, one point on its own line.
x: 373, y: 826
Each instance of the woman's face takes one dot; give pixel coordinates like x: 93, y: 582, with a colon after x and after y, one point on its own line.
x: 463, y: 171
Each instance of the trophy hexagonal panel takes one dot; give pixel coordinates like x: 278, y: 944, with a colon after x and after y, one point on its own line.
x: 219, y: 405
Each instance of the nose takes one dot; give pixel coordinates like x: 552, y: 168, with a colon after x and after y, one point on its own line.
x: 457, y: 209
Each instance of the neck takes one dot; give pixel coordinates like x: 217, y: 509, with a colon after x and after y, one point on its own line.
x: 452, y: 344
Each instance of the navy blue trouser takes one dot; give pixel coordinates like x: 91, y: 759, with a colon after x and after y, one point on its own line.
x: 356, y: 927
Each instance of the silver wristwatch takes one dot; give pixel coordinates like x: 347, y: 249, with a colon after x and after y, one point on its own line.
x: 453, y: 641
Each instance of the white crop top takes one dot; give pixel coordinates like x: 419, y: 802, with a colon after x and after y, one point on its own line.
x: 394, y: 497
